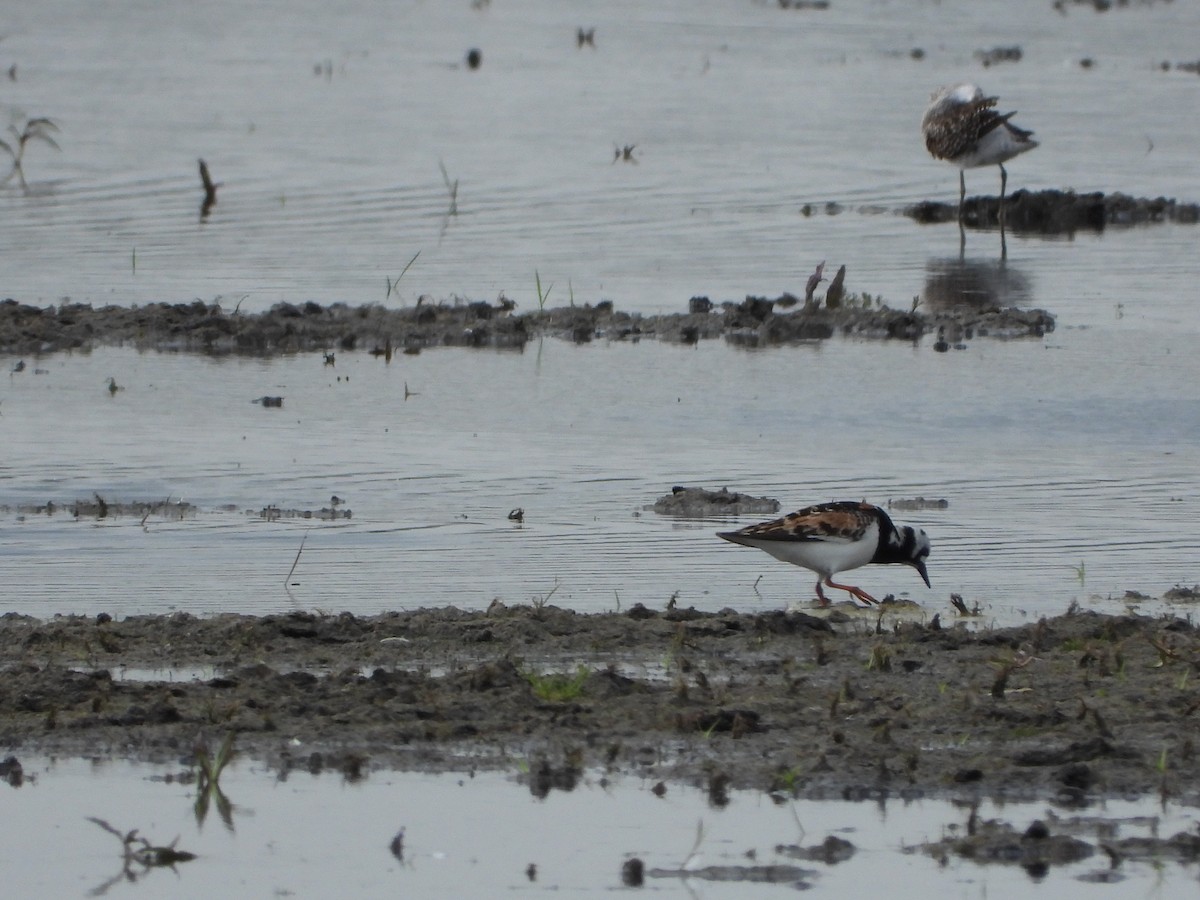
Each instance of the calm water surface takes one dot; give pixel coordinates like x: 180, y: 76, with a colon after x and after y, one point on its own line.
x: 475, y: 836
x: 1069, y: 463
x: 741, y: 113
x: 1049, y: 462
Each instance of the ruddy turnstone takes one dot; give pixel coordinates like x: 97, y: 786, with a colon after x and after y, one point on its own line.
x: 834, y: 537
x: 962, y: 127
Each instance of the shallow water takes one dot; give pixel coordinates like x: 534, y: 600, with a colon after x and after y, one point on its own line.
x: 1098, y: 472
x: 326, y: 125
x: 1069, y: 463
x: 319, y: 836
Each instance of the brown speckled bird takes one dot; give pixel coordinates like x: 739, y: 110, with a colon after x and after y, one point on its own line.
x: 834, y: 537
x: 962, y: 127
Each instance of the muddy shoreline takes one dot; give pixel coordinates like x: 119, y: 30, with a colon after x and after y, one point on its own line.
x: 1071, y: 709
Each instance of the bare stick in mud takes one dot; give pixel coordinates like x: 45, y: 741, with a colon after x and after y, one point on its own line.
x: 295, y: 561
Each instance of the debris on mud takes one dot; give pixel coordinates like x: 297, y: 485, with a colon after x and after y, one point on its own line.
x: 695, y: 501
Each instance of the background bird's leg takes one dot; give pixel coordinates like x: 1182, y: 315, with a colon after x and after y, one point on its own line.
x: 962, y: 193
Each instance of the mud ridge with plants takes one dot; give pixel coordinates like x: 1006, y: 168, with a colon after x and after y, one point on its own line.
x: 838, y: 703
x: 386, y: 332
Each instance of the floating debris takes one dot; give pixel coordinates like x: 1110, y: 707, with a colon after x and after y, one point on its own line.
x: 326, y: 513
x: 998, y: 55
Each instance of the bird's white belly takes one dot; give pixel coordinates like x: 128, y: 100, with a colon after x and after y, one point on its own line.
x: 997, y: 146
x: 826, y: 557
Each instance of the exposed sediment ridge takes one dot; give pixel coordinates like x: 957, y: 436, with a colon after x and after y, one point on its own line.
x: 1058, y: 212
x: 286, y: 328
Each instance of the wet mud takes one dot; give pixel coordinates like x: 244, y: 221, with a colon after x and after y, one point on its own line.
x: 1058, y: 212
x: 310, y: 327
x: 833, y: 704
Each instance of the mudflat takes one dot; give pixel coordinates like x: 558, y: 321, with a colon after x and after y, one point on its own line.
x: 836, y: 703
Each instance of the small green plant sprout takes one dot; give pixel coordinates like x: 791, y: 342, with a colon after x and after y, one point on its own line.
x: 558, y: 688
x: 691, y: 857
x: 786, y: 782
x: 542, y: 296
x: 392, y: 284
x: 880, y: 659
x: 34, y: 129
x: 1080, y: 573
x: 208, y: 781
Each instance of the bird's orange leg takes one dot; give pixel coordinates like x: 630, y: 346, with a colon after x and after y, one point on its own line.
x: 856, y: 591
x: 824, y: 601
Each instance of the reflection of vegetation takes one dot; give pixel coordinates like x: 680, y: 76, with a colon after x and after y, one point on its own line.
x: 392, y: 285
x: 137, y: 851
x: 208, y: 782
x: 35, y: 129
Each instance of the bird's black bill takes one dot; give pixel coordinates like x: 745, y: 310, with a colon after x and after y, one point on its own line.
x: 919, y: 565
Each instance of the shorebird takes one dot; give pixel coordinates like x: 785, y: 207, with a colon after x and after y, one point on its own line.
x: 835, y: 537
x: 962, y: 127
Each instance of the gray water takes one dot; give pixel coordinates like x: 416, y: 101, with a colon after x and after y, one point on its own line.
x: 741, y: 113
x: 1069, y: 463
x: 476, y: 837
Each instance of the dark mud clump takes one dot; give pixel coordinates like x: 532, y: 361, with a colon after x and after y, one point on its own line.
x: 288, y: 328
x: 1058, y: 212
x: 853, y: 705
x: 685, y: 501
